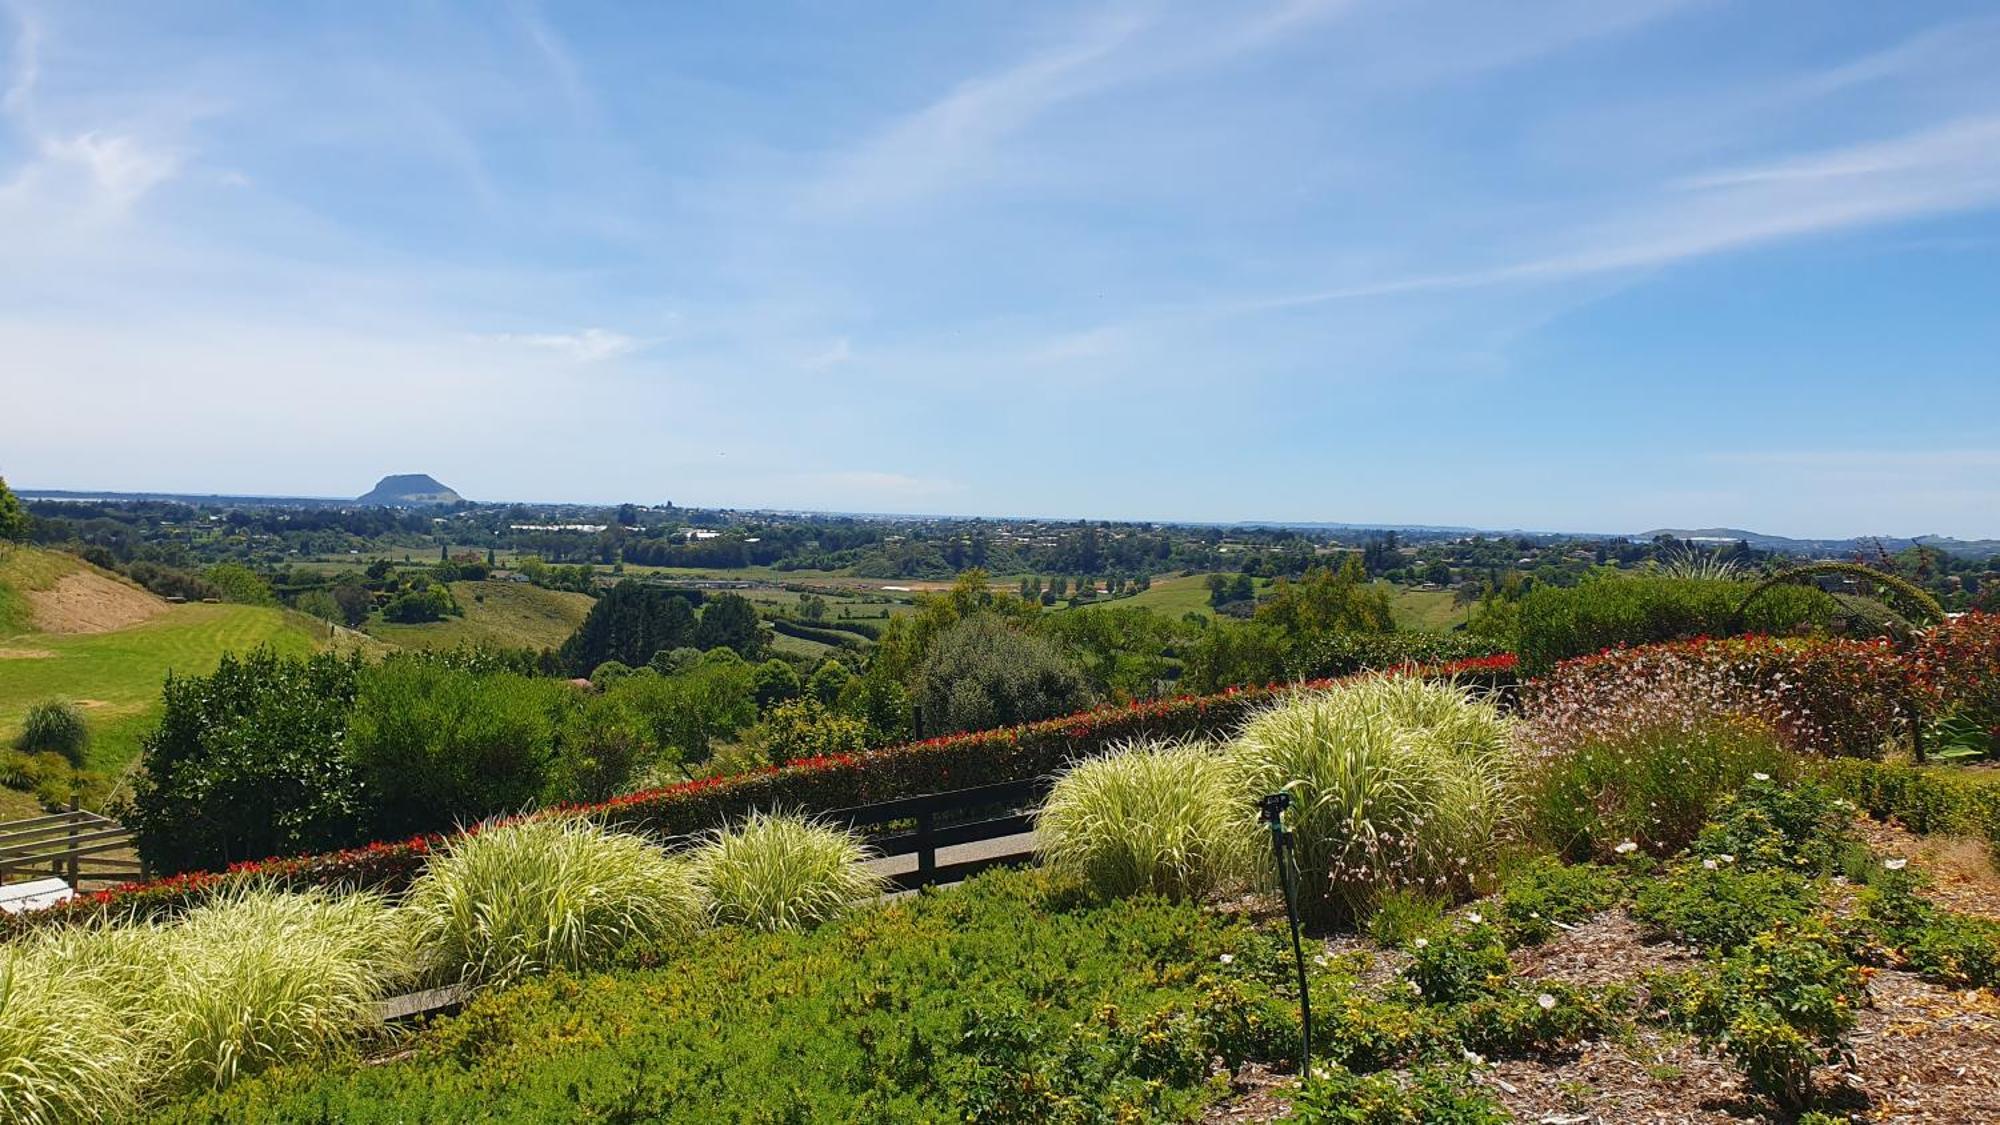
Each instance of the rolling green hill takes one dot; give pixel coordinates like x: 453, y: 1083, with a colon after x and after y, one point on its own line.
x: 513, y: 614
x: 115, y: 673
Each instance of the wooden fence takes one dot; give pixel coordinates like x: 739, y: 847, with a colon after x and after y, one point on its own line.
x: 76, y: 844
x: 923, y: 825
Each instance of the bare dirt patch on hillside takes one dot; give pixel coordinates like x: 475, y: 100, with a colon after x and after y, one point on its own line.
x: 88, y: 602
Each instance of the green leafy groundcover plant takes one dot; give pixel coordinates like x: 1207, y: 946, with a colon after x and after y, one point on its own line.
x: 1008, y: 999
x: 809, y: 786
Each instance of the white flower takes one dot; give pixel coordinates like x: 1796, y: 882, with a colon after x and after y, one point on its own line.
x: 1760, y: 776
x: 1895, y: 864
x: 1423, y: 942
x: 1320, y: 960
x: 1726, y: 857
x: 1708, y: 865
x: 1626, y: 848
x: 1546, y: 1001
x: 1475, y: 1058
x: 1475, y: 917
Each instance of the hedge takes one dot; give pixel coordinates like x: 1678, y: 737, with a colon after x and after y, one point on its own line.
x: 825, y: 636
x: 1925, y: 799
x: 676, y: 812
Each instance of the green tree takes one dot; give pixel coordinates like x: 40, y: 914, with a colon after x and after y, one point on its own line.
x: 320, y: 604
x: 1327, y: 601
x: 238, y: 583
x: 630, y: 623
x: 828, y: 681
x: 710, y: 698
x: 804, y: 728
x: 13, y: 517
x: 812, y: 607
x: 730, y: 621
x: 248, y: 762
x: 985, y: 672
x: 774, y: 682
x: 436, y: 746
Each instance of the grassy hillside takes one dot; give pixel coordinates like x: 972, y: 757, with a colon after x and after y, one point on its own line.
x: 116, y: 675
x: 1427, y: 609
x: 513, y: 614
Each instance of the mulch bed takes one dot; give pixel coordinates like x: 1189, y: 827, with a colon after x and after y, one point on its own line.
x: 1923, y: 1053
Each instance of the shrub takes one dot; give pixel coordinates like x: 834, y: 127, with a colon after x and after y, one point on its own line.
x: 804, y: 728
x: 1544, y: 894
x: 1954, y: 670
x: 1535, y: 1019
x: 1926, y: 799
x: 1653, y: 784
x: 982, y: 673
x: 774, y: 872
x: 1769, y: 825
x: 1954, y: 949
x: 1396, y: 782
x: 1780, y: 1005
x: 602, y: 747
x: 54, y: 726
x: 534, y: 896
x: 1842, y: 698
x: 1010, y: 998
x: 435, y: 746
x: 1159, y: 817
x: 912, y: 769
x: 1337, y: 1096
x: 1458, y: 964
x: 1344, y: 654
x: 249, y: 761
x: 1557, y: 623
x: 1713, y: 905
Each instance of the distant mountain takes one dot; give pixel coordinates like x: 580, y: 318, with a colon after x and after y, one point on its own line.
x: 1838, y: 548
x: 409, y: 490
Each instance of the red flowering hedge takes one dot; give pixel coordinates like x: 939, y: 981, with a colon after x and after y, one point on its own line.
x: 934, y: 765
x: 1955, y: 666
x: 1832, y: 697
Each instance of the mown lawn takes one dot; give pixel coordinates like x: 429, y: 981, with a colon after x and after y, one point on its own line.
x: 117, y: 676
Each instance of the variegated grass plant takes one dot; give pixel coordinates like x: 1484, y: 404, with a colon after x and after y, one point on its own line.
x: 539, y: 895
x: 1395, y: 781
x: 1162, y: 817
x: 783, y: 872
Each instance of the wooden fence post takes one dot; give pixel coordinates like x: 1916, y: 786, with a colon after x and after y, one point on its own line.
x: 73, y: 865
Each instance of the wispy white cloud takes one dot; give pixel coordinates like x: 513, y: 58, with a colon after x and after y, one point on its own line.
x: 588, y: 345
x: 1947, y: 168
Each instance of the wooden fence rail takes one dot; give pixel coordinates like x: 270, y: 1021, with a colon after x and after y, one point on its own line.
x: 76, y: 844
x: 922, y: 825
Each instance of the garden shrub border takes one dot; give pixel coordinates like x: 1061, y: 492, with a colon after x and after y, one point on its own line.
x: 677, y: 813
x: 1925, y: 799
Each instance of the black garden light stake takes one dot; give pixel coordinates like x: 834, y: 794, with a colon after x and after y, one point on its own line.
x: 1272, y: 810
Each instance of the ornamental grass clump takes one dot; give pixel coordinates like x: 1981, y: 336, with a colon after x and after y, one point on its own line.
x: 779, y: 872
x: 240, y: 984
x: 535, y: 896
x: 65, y: 1053
x: 1396, y: 782
x: 1162, y: 817
x: 261, y: 977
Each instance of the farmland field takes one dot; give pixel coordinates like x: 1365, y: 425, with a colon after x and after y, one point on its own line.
x: 511, y: 614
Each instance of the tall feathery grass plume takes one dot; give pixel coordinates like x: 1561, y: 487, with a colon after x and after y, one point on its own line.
x: 1148, y: 816
x: 1396, y: 782
x: 540, y: 895
x: 775, y: 871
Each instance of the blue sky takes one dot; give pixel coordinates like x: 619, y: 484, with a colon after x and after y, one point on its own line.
x: 1587, y: 265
